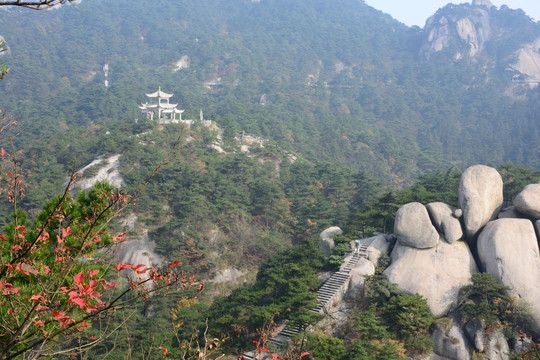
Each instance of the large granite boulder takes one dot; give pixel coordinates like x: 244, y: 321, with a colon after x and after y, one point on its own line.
x: 444, y: 220
x: 528, y: 201
x: 413, y: 227
x: 508, y: 250
x: 327, y: 243
x: 475, y: 330
x: 437, y: 273
x: 497, y: 346
x: 357, y: 277
x: 480, y: 197
x: 450, y: 343
x: 379, y: 245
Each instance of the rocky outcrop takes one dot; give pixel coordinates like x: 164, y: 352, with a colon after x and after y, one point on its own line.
x: 445, y: 221
x: 227, y: 275
x: 528, y: 201
x: 528, y: 60
x: 475, y: 330
x: 107, y: 170
x: 327, y: 244
x: 480, y: 197
x: 437, y: 273
x: 449, y: 27
x: 450, y: 343
x: 497, y: 347
x: 508, y: 250
x: 413, y: 227
x: 137, y: 251
x: 485, y: 3
x: 380, y: 245
x: 358, y: 277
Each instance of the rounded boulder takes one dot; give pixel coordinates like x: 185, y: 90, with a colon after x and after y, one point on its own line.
x: 528, y: 201
x: 480, y: 197
x: 413, y: 227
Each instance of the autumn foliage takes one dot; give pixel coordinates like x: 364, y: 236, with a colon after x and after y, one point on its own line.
x: 56, y: 273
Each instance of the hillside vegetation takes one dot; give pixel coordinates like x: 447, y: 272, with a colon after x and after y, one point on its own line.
x: 343, y: 86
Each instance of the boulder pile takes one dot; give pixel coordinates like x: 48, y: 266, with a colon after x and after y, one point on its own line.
x: 439, y: 247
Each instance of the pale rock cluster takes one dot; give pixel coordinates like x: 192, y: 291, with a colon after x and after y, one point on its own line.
x: 429, y: 258
x: 438, y: 248
x: 433, y: 257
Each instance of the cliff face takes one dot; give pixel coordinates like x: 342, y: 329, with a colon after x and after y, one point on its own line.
x: 501, y: 37
x: 528, y: 61
x: 467, y: 31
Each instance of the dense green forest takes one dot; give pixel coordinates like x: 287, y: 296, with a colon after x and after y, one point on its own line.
x: 268, y: 209
x: 341, y: 86
x: 356, y: 123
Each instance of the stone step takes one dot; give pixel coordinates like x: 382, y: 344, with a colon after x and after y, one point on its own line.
x: 335, y: 279
x: 289, y: 333
x: 329, y: 289
x: 325, y: 300
x: 280, y: 340
x: 330, y: 292
x: 326, y: 295
x: 333, y: 282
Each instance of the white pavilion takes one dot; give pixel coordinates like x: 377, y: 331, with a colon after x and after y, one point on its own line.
x: 166, y: 112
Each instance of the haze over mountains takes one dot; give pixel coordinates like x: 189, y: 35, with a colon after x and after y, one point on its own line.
x: 340, y: 81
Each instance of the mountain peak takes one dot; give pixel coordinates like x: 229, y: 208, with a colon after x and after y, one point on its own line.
x: 485, y: 3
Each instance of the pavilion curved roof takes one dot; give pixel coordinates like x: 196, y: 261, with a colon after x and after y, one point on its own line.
x: 168, y: 106
x: 170, y: 111
x: 147, y: 106
x: 160, y: 94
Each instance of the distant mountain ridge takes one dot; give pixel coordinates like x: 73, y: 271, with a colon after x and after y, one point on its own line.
x: 504, y: 37
x: 340, y: 80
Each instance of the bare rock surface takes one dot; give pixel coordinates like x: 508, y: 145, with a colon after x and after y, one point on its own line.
x: 528, y: 201
x: 451, y: 343
x: 108, y: 171
x: 227, y: 275
x: 528, y: 60
x: 378, y: 247
x: 485, y: 3
x: 497, y: 347
x: 358, y: 277
x: 437, y: 273
x: 508, y: 250
x: 138, y: 251
x: 413, y: 227
x: 444, y: 221
x: 480, y: 197
x: 326, y: 238
x: 476, y: 334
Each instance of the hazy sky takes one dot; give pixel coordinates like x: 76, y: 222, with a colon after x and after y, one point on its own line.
x: 416, y: 12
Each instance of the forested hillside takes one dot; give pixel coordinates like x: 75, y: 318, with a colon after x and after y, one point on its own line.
x: 333, y: 84
x: 349, y: 115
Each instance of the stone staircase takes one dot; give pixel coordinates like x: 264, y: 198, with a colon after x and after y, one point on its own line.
x: 331, y: 287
